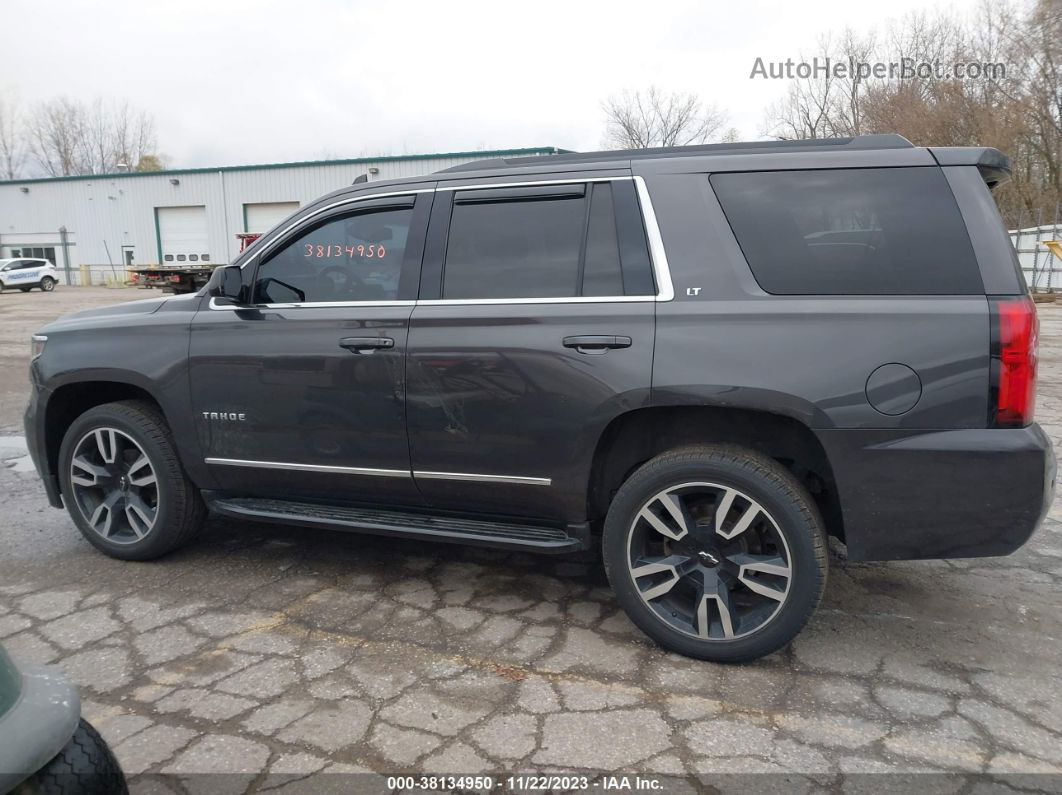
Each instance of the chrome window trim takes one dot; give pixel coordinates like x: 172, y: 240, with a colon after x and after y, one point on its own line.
x: 349, y: 200
x: 614, y: 299
x: 384, y: 473
x: 665, y: 290
x: 532, y: 183
x: 308, y: 305
x: 239, y: 462
x: 514, y: 479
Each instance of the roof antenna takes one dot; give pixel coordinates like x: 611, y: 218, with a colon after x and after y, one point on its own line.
x: 362, y: 178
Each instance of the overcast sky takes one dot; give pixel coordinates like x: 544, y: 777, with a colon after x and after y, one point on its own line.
x: 258, y: 82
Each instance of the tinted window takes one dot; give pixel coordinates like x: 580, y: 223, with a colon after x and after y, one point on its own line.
x: 350, y: 258
x: 882, y: 231
x: 601, y: 273
x: 550, y: 246
x: 515, y: 249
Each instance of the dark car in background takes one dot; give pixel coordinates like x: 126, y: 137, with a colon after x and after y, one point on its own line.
x: 701, y: 360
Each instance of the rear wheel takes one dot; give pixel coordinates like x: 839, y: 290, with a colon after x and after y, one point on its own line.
x: 714, y: 552
x: 47, y: 284
x: 85, y: 766
x: 124, y: 485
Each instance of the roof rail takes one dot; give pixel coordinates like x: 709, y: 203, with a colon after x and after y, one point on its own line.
x: 859, y: 142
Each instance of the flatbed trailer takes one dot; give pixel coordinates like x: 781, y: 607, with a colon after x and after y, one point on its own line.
x: 183, y: 278
x: 179, y: 279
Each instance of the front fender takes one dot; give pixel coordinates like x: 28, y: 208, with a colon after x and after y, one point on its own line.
x: 145, y: 353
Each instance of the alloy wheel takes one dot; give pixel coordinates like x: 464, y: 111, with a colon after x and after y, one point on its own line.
x: 114, y: 485
x: 709, y: 561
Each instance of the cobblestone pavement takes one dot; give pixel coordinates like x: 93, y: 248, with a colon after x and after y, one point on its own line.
x: 282, y: 651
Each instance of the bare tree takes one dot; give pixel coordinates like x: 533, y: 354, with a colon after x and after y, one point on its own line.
x: 636, y: 120
x: 1042, y: 94
x: 12, y: 142
x: 57, y: 137
x: 807, y: 109
x: 855, y: 49
x: 826, y: 103
x: 132, y: 136
x: 69, y: 137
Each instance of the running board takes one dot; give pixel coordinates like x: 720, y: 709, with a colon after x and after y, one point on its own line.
x: 404, y: 524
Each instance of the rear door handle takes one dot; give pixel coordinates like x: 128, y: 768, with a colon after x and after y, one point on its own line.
x: 596, y: 343
x: 366, y: 344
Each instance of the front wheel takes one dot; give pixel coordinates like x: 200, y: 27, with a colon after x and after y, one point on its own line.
x: 47, y: 284
x: 124, y: 485
x: 715, y: 552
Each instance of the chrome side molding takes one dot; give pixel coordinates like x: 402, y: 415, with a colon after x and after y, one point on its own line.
x: 239, y: 462
x: 519, y: 480
x: 516, y: 479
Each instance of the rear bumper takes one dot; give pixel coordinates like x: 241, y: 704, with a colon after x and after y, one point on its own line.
x: 940, y: 494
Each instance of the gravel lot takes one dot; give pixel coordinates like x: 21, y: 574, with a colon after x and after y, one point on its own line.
x: 269, y: 653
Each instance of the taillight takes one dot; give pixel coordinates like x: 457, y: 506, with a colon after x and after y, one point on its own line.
x: 1015, y: 331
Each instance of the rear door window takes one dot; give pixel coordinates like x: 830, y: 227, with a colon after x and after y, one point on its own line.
x: 601, y: 266
x: 559, y: 241
x: 514, y: 248
x: 874, y: 231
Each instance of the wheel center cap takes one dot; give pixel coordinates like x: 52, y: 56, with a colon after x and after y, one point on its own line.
x: 707, y: 558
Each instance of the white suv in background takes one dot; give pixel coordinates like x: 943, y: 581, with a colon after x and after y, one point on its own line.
x: 25, y: 274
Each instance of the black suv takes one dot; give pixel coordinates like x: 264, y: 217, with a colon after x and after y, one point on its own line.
x: 703, y: 359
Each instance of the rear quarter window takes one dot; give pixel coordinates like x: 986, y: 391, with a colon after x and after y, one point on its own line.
x: 874, y: 231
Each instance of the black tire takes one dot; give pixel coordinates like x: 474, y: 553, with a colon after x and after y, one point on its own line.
x: 180, y: 509
x: 793, y: 516
x: 85, y: 766
x: 47, y: 284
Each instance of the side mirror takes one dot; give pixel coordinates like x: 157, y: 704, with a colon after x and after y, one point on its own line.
x: 226, y: 285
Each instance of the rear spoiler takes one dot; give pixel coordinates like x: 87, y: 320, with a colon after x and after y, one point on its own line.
x: 993, y: 164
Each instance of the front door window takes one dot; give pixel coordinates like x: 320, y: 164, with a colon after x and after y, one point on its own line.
x: 350, y: 258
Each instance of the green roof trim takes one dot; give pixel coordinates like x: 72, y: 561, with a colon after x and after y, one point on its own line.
x: 485, y: 153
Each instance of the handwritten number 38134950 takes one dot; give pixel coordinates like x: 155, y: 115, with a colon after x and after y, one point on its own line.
x: 371, y: 251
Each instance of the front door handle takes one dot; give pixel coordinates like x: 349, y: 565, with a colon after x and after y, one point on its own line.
x: 366, y: 344
x: 596, y: 343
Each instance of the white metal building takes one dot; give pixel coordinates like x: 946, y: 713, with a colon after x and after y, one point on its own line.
x: 110, y: 222
x: 1042, y: 269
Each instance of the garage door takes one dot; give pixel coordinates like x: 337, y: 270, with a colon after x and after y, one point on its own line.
x: 264, y: 216
x: 183, y: 234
